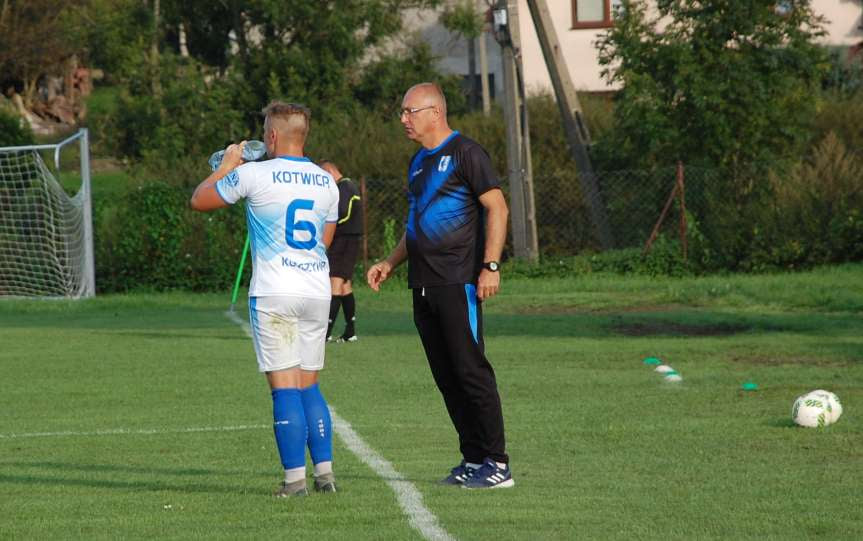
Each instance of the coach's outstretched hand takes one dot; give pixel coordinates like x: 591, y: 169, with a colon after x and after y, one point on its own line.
x: 378, y: 273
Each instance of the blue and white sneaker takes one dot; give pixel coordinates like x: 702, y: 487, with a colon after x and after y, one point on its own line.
x: 458, y: 475
x: 490, y: 475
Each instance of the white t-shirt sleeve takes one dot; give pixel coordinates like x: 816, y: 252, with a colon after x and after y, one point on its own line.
x: 333, y: 213
x: 236, y: 184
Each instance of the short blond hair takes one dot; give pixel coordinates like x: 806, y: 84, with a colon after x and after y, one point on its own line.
x: 290, y: 118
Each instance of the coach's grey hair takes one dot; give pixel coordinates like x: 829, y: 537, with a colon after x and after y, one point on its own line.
x: 435, y: 91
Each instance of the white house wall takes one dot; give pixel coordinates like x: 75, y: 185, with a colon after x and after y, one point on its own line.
x: 843, y: 26
x: 845, y: 18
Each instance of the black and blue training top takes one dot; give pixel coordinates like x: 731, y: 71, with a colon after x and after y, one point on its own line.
x: 445, y: 229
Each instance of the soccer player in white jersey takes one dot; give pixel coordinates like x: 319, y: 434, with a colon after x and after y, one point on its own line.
x: 292, y: 210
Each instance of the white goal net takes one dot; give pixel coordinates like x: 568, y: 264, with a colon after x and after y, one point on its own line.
x: 46, y: 241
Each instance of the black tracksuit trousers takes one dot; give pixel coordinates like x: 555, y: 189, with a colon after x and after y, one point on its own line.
x: 449, y: 321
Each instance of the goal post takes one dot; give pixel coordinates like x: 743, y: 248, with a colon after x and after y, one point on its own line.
x: 46, y: 236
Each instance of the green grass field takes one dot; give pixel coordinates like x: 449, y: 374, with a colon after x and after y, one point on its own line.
x: 143, y: 416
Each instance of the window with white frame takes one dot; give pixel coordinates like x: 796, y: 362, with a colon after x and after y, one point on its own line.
x: 594, y: 13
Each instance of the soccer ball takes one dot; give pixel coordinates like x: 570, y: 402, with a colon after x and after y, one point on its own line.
x: 834, y: 406
x: 815, y: 409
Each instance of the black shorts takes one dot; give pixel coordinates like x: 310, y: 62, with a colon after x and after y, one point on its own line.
x: 343, y: 256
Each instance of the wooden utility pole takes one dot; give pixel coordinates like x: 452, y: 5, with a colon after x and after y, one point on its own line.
x: 471, y: 70
x: 520, y: 170
x: 573, y: 122
x: 483, y: 75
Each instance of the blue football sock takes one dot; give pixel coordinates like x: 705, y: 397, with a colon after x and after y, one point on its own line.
x: 320, y: 424
x: 289, y: 425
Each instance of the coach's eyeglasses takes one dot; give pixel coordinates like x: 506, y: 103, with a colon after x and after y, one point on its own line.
x: 409, y: 111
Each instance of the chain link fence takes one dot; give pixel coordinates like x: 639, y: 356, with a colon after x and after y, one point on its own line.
x: 632, y: 201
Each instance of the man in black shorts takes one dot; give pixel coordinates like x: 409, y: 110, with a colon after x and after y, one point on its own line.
x: 455, y: 232
x: 343, y: 252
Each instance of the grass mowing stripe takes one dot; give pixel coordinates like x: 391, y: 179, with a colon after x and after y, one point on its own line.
x: 127, y: 431
x: 409, y: 498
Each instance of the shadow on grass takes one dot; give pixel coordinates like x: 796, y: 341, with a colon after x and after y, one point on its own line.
x: 152, y: 486
x: 781, y: 422
x: 71, y: 466
x: 686, y: 322
x: 62, y: 473
x: 681, y: 323
x: 671, y: 328
x: 157, y: 485
x: 173, y: 335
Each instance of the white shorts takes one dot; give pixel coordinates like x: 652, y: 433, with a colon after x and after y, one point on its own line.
x: 289, y: 332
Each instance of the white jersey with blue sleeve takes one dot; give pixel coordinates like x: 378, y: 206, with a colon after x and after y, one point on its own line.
x: 289, y: 200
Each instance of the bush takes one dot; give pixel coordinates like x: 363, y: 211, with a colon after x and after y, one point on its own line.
x: 151, y: 239
x: 172, y: 135
x: 816, y: 214
x: 841, y: 114
x: 845, y: 73
x: 664, y: 259
x: 14, y: 131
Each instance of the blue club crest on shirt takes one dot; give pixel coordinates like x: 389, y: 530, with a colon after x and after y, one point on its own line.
x: 443, y: 164
x: 232, y: 179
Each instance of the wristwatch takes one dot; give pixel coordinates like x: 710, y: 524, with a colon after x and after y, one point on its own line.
x: 493, y: 266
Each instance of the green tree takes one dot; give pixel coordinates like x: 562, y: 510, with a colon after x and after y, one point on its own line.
x: 720, y: 82
x: 36, y: 37
x: 113, y: 35
x: 382, y: 83
x: 464, y: 18
x: 326, y: 54
x: 310, y: 52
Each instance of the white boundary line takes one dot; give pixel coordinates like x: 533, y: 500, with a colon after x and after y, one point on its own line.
x: 409, y: 498
x: 127, y: 431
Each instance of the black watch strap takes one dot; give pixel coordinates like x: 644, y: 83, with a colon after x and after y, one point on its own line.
x: 493, y: 266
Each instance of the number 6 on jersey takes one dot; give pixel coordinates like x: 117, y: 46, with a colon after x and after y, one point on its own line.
x: 292, y: 225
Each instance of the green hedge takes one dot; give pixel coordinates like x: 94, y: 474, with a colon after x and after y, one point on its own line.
x: 805, y: 212
x: 151, y: 239
x: 13, y: 130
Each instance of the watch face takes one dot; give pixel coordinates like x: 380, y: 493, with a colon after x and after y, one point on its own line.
x: 492, y: 265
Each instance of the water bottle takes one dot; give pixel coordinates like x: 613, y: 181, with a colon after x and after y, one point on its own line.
x: 252, y: 151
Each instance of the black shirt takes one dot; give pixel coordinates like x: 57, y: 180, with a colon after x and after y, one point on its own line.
x: 445, y: 230
x: 350, y: 210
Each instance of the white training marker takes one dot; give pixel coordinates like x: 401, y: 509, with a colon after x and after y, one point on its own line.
x: 664, y: 369
x: 673, y: 377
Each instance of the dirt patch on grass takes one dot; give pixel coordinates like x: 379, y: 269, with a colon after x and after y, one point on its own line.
x: 679, y: 329
x: 552, y: 310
